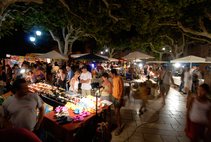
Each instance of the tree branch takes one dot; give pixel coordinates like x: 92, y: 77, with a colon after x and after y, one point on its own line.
x: 167, y: 24
x: 63, y: 33
x: 208, y: 14
x: 187, y: 30
x: 172, y: 40
x: 109, y: 12
x: 65, y: 4
x: 201, y: 23
x: 154, y: 50
x: 55, y: 38
x: 91, y: 36
x: 196, y: 38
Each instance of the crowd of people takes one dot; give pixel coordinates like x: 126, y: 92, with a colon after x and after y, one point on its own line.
x: 69, y: 76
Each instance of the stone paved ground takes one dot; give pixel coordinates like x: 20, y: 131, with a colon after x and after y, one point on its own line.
x: 168, y: 128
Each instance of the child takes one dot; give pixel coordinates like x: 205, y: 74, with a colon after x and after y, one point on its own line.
x: 198, y: 115
x: 143, y: 93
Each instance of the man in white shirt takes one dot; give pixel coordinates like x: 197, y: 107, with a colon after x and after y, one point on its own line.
x: 85, y: 79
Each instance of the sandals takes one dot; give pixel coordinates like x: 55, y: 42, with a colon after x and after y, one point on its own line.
x: 78, y: 118
x: 118, y: 132
x: 84, y: 113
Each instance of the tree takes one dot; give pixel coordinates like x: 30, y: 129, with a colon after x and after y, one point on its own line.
x: 191, y: 16
x: 59, y: 24
x: 6, y: 23
x: 167, y: 40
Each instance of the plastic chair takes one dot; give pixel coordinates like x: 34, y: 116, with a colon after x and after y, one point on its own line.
x: 7, y: 95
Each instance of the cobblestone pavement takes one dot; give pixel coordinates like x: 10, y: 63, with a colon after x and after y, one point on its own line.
x: 168, y: 121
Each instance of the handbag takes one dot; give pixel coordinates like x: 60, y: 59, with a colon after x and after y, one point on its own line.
x: 161, y: 81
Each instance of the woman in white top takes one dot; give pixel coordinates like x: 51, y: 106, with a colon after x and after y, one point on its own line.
x: 187, y: 80
x: 198, y: 115
x: 74, y: 82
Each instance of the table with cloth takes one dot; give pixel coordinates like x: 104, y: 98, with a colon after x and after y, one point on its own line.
x: 140, y: 82
x: 67, y: 130
x: 177, y: 80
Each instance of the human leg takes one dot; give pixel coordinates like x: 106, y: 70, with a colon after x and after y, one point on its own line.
x: 162, y: 90
x: 119, y: 129
x: 181, y: 86
x: 67, y: 86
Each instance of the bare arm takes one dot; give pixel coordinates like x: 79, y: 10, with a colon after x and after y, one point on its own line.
x: 73, y: 85
x: 121, y: 88
x: 5, y: 122
x: 189, y: 104
x: 41, y: 115
x: 44, y: 75
x: 63, y: 77
x: 84, y: 81
x: 172, y: 80
x: 160, y: 76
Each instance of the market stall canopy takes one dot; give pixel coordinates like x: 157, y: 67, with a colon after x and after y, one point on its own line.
x: 110, y: 59
x: 52, y: 55
x: 137, y: 60
x: 137, y: 55
x: 189, y: 59
x: 158, y: 62
x: 78, y: 55
x: 208, y: 59
x: 120, y: 59
x: 113, y: 59
x: 90, y: 57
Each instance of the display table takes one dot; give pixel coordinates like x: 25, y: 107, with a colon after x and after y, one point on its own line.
x: 139, y: 82
x: 177, y: 80
x: 67, y: 130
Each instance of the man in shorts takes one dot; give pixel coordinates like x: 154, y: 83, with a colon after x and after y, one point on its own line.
x: 165, y: 77
x: 85, y: 80
x: 117, y: 97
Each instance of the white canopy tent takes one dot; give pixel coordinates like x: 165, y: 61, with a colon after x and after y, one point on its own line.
x: 190, y: 59
x: 137, y: 55
x: 158, y: 62
x: 137, y: 60
x: 110, y: 59
x: 52, y: 55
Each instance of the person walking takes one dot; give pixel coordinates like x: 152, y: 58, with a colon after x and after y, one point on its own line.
x: 164, y: 78
x: 117, y: 97
x: 107, y: 88
x: 182, y: 81
x: 85, y: 80
x: 22, y: 108
x: 198, y: 116
x: 187, y: 80
x: 70, y: 74
x: 74, y: 82
x: 196, y: 75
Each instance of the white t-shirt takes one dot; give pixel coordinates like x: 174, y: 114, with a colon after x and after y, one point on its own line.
x: 85, y: 76
x: 23, y: 111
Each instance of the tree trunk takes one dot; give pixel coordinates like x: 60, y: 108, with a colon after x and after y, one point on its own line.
x: 161, y: 54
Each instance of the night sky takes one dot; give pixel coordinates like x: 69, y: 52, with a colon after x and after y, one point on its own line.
x: 19, y: 43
